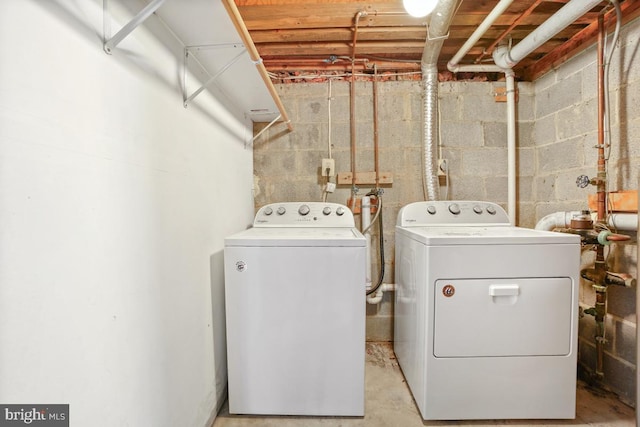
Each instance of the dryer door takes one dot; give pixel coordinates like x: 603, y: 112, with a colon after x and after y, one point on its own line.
x: 503, y: 317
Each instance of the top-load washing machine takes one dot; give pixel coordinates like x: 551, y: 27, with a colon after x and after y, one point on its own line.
x: 485, y: 313
x: 295, y: 309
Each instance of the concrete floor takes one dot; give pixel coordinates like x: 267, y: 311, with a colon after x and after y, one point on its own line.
x: 389, y: 404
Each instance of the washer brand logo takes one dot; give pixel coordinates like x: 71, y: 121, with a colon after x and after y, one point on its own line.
x: 241, y: 266
x: 36, y: 415
x: 448, y: 291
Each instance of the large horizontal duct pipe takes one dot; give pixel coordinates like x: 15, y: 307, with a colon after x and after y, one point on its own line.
x: 507, y: 58
x: 437, y: 32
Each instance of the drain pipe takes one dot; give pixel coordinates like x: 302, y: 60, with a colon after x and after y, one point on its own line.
x: 616, y: 221
x: 511, y: 145
x: 454, y: 66
x: 507, y: 58
x: 437, y: 32
x: 366, y: 228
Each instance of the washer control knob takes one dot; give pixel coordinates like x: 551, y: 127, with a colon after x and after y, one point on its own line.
x: 326, y: 210
x: 268, y: 211
x: 431, y: 209
x: 491, y: 210
x: 340, y: 211
x: 477, y: 209
x: 281, y: 210
x: 303, y: 210
x: 454, y: 208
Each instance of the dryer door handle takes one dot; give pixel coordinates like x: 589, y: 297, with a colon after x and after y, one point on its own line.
x: 504, y: 290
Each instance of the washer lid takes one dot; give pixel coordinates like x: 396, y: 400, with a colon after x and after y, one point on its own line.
x: 485, y: 235
x: 295, y: 236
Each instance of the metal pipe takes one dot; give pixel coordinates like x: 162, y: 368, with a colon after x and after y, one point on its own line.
x: 601, y: 171
x: 352, y: 107
x: 600, y: 270
x: 600, y: 313
x: 507, y: 58
x: 375, y: 126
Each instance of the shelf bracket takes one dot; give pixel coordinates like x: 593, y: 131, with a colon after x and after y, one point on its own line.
x: 213, y: 78
x: 111, y: 43
x: 264, y: 130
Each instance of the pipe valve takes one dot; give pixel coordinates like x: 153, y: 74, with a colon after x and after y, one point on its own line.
x: 583, y: 181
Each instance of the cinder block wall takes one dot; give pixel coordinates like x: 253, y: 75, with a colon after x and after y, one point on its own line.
x: 473, y: 130
x: 565, y: 136
x: 557, y: 130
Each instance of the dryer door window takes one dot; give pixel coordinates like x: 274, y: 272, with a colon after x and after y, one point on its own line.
x: 503, y: 317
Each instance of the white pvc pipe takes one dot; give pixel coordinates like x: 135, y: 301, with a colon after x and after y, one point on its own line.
x: 365, y: 208
x: 556, y: 220
x: 507, y: 58
x: 478, y: 33
x: 617, y: 221
x: 511, y: 146
x: 480, y: 68
x: 621, y: 221
x: 377, y: 297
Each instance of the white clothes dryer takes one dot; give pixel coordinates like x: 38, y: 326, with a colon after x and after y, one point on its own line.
x: 295, y: 309
x: 486, y: 313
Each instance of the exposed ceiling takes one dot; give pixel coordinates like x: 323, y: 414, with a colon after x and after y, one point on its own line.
x: 315, y: 37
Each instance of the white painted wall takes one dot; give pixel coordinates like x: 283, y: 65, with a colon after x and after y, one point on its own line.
x: 114, y: 203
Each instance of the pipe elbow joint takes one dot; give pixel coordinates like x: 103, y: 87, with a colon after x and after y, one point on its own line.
x: 502, y: 58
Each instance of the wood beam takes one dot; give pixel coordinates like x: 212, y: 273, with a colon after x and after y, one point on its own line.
x: 581, y: 41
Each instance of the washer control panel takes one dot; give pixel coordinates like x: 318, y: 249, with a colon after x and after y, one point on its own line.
x: 304, y: 214
x: 452, y: 213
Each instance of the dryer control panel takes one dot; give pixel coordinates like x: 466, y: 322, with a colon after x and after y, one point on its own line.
x: 452, y: 213
x: 304, y: 214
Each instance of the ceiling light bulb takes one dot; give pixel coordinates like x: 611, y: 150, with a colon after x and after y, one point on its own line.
x: 419, y: 8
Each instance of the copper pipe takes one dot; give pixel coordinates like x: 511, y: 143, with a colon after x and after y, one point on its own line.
x: 601, y: 180
x: 505, y: 33
x: 375, y: 125
x: 618, y: 238
x: 352, y: 105
x: 600, y: 270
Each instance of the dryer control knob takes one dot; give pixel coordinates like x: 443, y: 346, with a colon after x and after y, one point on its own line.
x: 477, y: 209
x: 491, y: 210
x: 340, y: 211
x: 268, y: 211
x: 326, y: 210
x: 281, y: 210
x: 303, y: 210
x: 431, y: 209
x: 454, y: 208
